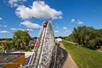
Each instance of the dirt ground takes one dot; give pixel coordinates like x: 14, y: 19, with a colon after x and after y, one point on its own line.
x: 69, y: 63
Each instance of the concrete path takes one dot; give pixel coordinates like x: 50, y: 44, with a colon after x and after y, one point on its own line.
x: 69, y: 63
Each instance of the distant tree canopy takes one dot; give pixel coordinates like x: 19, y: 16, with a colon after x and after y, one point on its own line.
x: 87, y: 36
x: 21, y: 39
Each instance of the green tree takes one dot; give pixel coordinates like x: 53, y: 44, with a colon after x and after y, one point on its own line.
x: 87, y: 36
x: 21, y: 39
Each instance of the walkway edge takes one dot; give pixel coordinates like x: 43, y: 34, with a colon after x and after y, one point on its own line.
x: 69, y: 63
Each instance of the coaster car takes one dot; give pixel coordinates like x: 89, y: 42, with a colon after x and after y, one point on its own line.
x: 45, y: 24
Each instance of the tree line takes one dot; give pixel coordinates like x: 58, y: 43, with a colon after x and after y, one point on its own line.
x: 87, y: 37
x: 20, y: 41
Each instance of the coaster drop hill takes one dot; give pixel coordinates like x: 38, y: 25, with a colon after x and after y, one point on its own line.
x: 44, y: 48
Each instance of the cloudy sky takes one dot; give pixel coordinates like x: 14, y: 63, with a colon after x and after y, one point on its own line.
x: 65, y: 15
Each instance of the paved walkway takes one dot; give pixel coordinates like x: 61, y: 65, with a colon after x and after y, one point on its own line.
x: 69, y: 63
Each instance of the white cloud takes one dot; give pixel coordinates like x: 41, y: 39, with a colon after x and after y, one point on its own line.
x: 38, y: 10
x: 5, y: 26
x: 65, y: 28
x: 77, y: 21
x: 73, y: 20
x: 29, y: 24
x: 21, y: 29
x: 56, y: 31
x: 80, y: 22
x: 15, y: 3
x: 29, y: 29
x: 4, y: 32
x: 13, y: 29
x: 1, y: 18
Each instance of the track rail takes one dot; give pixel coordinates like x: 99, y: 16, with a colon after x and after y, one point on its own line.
x: 42, y: 55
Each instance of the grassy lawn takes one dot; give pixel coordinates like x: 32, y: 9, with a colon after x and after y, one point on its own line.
x: 100, y: 49
x: 84, y: 57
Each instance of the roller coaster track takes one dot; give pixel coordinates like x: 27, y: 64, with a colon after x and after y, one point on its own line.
x: 44, y: 49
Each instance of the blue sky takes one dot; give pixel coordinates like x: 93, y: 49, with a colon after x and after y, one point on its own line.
x: 74, y: 13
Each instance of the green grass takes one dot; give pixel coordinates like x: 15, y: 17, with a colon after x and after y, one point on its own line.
x: 84, y: 57
x: 100, y: 49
